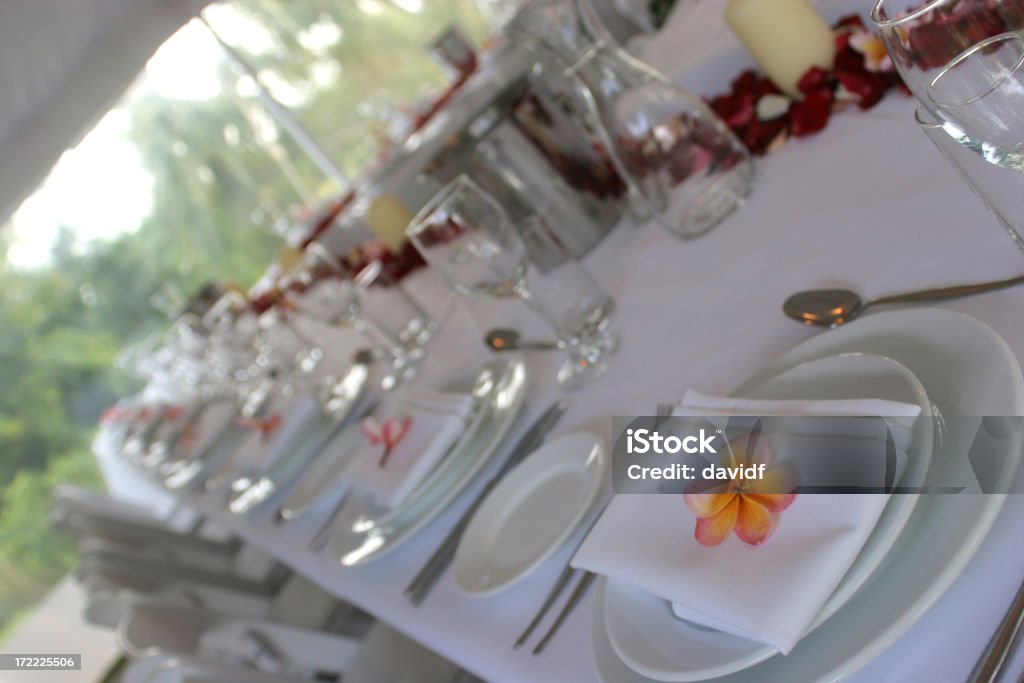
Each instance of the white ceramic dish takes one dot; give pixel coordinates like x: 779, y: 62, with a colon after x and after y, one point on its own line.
x: 530, y: 513
x: 322, y: 476
x: 966, y: 369
x: 363, y: 530
x: 642, y: 628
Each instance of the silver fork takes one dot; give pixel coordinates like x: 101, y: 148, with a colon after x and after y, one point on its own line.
x: 322, y: 536
x: 664, y: 410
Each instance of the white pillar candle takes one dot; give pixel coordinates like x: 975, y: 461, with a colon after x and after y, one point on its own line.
x: 786, y: 37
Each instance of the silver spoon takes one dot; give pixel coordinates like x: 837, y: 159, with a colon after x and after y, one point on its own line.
x: 833, y: 307
x: 505, y: 339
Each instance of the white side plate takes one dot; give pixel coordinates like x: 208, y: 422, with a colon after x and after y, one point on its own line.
x: 530, y: 513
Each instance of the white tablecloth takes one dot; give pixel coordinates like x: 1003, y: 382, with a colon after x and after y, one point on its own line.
x: 868, y: 204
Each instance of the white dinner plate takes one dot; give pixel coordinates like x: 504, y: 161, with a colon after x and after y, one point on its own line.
x: 322, y: 476
x: 255, y: 490
x: 530, y: 513
x: 365, y: 530
x: 643, y: 630
x: 299, y: 416
x: 865, y: 376
x: 236, y: 448
x: 966, y: 370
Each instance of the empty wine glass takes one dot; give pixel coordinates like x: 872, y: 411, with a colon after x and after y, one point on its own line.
x: 1001, y: 191
x: 980, y: 97
x: 470, y: 240
x: 964, y: 61
x: 321, y: 286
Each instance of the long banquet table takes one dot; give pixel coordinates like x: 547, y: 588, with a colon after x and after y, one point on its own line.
x: 868, y: 204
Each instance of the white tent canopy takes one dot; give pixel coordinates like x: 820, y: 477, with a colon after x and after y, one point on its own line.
x: 63, y: 64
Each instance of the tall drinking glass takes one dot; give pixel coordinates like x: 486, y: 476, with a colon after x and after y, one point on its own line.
x: 466, y: 236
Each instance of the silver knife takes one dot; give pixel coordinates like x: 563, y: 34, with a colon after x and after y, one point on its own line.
x: 426, y: 578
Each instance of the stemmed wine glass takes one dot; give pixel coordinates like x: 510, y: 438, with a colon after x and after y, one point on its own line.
x: 323, y: 288
x: 964, y: 62
x: 470, y: 240
x: 998, y: 188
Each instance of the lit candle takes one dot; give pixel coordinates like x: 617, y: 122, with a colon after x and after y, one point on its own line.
x: 786, y: 37
x: 388, y: 218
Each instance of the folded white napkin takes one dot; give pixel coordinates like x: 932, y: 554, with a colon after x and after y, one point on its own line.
x: 772, y: 592
x: 431, y: 421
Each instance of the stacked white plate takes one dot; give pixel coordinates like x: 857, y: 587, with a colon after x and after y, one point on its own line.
x: 364, y: 530
x: 945, y: 362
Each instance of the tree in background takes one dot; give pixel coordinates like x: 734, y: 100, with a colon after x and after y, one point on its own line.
x: 224, y: 177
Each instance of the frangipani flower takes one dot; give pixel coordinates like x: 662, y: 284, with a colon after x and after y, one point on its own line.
x: 388, y: 434
x: 749, y: 508
x: 876, y: 57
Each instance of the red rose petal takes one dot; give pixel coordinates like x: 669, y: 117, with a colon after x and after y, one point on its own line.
x: 842, y: 41
x: 852, y: 21
x: 745, y: 82
x: 849, y: 60
x: 735, y: 110
x: 815, y: 78
x: 811, y: 114
x: 869, y: 87
x: 759, y: 135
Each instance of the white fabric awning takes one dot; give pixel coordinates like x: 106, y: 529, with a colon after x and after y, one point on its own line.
x: 63, y: 64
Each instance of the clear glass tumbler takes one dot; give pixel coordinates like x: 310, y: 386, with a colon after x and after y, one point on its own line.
x: 466, y: 236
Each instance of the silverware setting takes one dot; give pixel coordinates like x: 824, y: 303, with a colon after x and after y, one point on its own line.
x: 584, y: 583
x: 319, y: 540
x: 1004, y: 641
x: 436, y: 565
x: 664, y: 410
x: 833, y: 307
x: 1007, y: 636
x: 322, y: 535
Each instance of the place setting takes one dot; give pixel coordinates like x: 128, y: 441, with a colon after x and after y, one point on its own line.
x: 383, y: 507
x: 877, y: 592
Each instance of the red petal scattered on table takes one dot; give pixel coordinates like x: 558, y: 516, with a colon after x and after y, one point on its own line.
x: 811, y: 114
